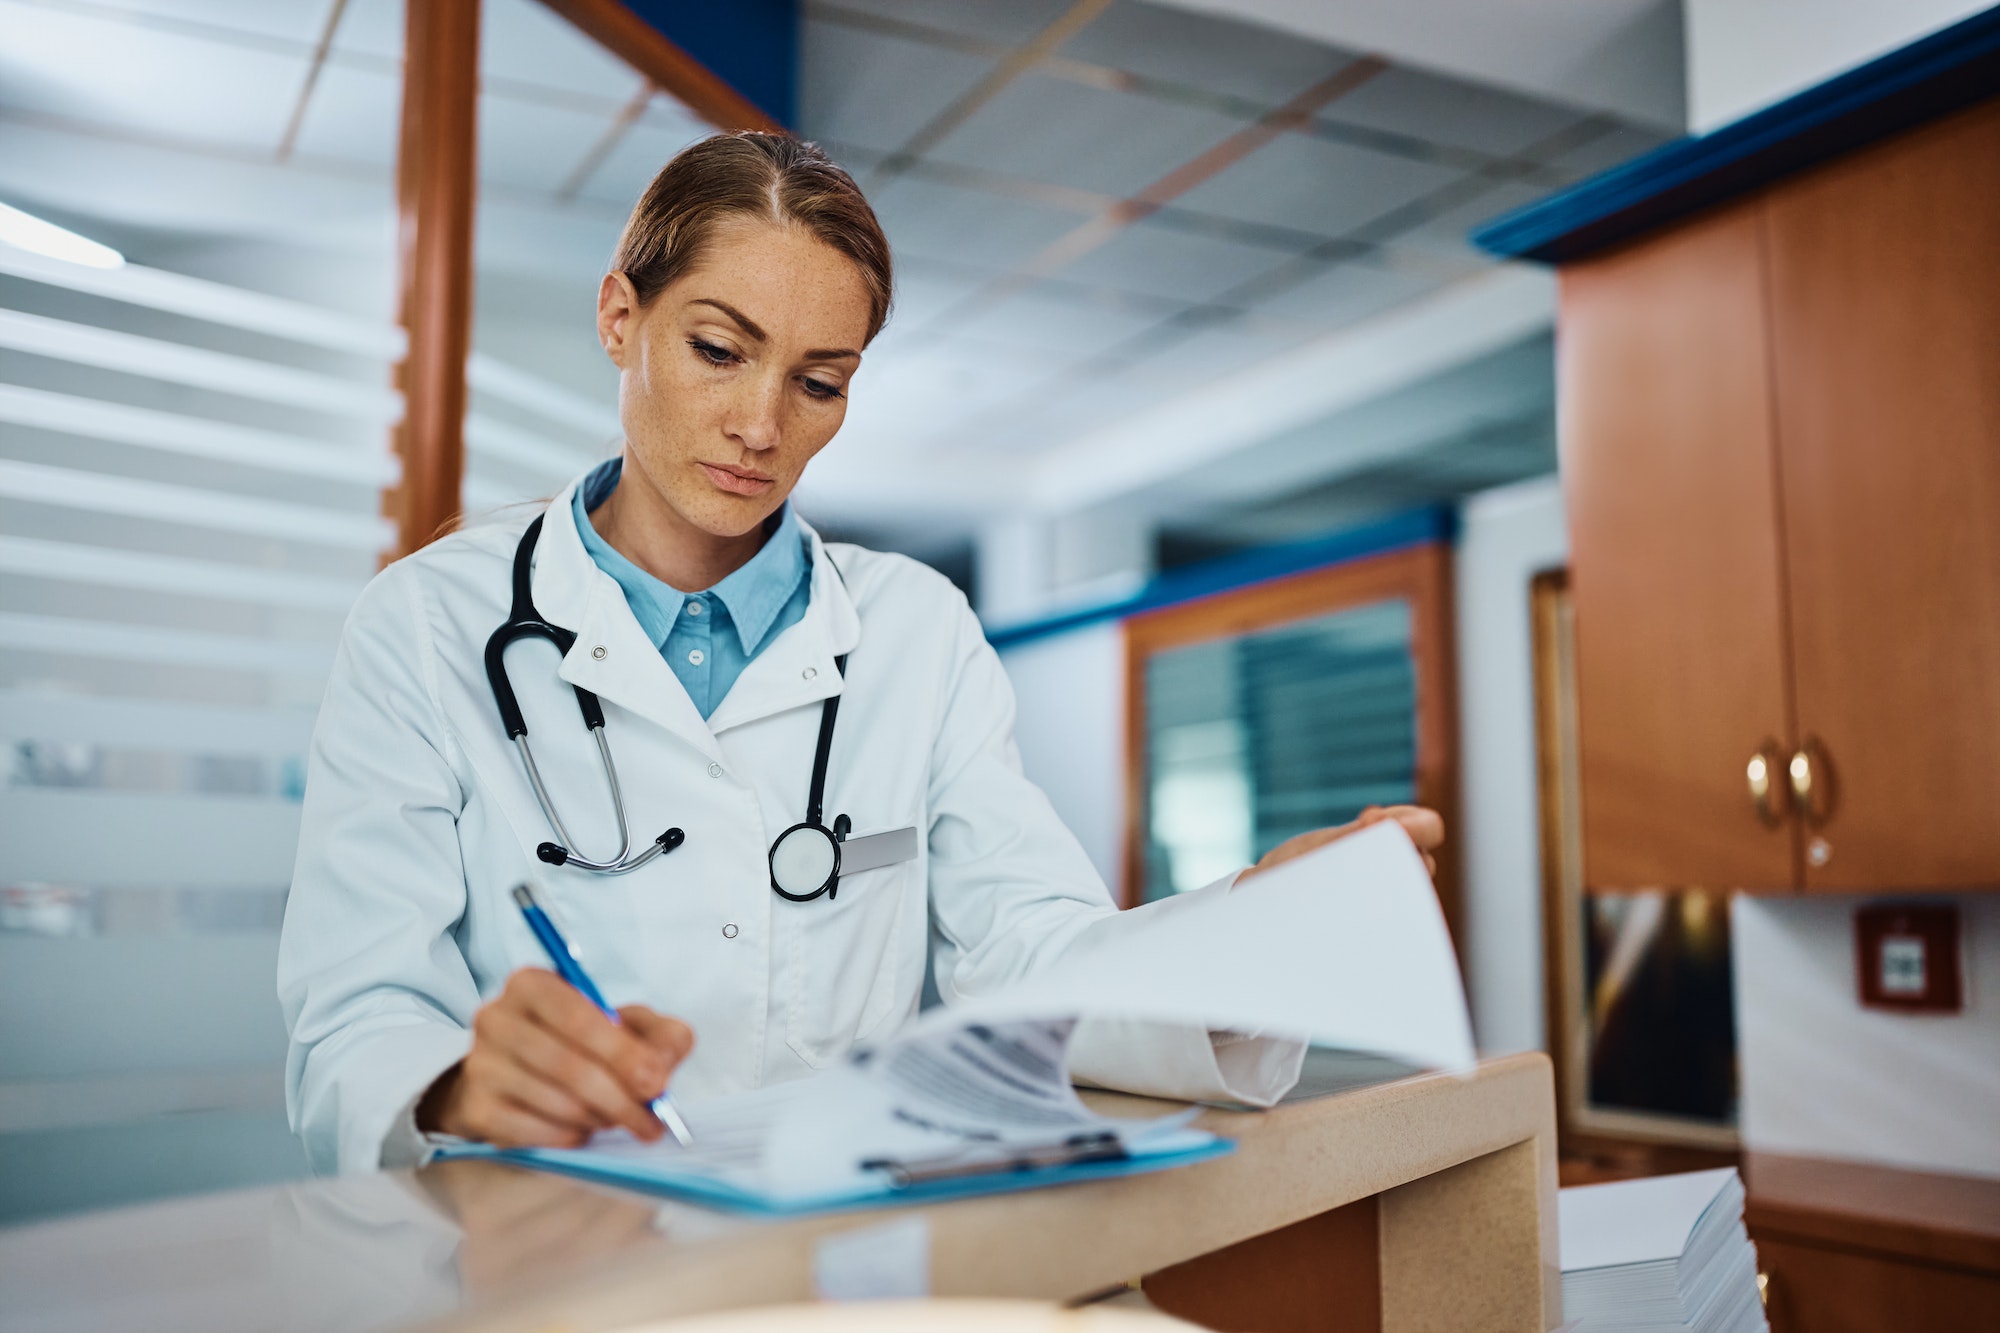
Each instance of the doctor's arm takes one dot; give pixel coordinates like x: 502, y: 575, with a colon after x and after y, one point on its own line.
x: 389, y: 1036
x: 376, y: 993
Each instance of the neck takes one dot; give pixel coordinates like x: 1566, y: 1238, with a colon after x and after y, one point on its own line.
x: 641, y: 526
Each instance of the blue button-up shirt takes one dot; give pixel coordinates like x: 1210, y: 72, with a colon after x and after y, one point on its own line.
x: 707, y: 637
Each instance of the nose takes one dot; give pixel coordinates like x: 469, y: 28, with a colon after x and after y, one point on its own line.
x: 754, y: 421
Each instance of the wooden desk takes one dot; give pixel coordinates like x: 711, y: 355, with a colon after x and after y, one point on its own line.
x: 1424, y: 1204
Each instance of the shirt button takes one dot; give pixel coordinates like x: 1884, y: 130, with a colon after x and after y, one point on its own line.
x: 694, y: 608
x: 715, y: 770
x: 598, y: 652
x: 696, y: 656
x: 729, y: 931
x: 809, y: 673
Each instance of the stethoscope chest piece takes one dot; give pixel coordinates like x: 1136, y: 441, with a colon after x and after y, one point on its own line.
x: 805, y: 861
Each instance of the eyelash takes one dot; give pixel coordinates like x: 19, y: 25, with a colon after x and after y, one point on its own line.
x: 722, y: 356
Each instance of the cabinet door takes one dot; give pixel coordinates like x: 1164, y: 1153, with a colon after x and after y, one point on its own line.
x: 1667, y: 463
x: 1885, y: 306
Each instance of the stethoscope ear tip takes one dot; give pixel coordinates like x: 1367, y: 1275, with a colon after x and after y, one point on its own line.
x: 671, y: 839
x: 553, y: 854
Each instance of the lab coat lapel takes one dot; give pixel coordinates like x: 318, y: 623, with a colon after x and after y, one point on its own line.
x: 612, y: 657
x: 797, y: 668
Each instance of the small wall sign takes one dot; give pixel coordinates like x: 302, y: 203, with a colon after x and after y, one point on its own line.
x: 1907, y: 957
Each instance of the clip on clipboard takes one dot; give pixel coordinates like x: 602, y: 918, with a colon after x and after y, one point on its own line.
x: 984, y: 1160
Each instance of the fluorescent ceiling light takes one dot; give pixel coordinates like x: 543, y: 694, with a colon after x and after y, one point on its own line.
x: 29, y: 232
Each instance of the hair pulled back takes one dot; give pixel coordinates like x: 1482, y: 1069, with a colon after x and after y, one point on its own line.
x: 751, y: 174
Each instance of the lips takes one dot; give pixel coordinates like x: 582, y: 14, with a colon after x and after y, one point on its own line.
x: 737, y: 481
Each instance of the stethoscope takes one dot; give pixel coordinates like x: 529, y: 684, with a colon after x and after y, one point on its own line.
x: 805, y: 859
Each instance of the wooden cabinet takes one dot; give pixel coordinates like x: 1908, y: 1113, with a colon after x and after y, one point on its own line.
x: 1848, y: 1247
x: 1781, y: 448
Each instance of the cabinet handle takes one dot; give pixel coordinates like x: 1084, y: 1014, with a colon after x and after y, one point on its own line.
x: 1812, y: 782
x: 1767, y: 793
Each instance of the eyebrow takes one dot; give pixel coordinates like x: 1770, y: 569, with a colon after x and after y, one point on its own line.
x: 750, y: 326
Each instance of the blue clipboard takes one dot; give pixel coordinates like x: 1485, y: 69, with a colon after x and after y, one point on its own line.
x: 1182, y: 1149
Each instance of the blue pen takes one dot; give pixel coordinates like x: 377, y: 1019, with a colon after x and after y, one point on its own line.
x: 569, y: 970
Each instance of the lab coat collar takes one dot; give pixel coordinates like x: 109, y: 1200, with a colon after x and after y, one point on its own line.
x: 795, y: 669
x: 798, y: 667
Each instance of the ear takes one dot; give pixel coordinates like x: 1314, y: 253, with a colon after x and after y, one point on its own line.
x: 617, y: 315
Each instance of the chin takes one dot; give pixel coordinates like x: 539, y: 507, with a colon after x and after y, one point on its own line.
x: 722, y: 515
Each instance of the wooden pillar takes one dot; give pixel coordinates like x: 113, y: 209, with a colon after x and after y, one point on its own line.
x: 436, y: 186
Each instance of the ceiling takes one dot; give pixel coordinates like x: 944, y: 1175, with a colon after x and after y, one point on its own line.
x: 1096, y: 205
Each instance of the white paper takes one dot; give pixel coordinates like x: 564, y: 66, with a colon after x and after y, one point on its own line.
x: 1345, y: 947
x: 1634, y: 1221
x: 889, y: 1261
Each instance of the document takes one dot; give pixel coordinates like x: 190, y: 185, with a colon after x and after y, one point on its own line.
x: 1345, y: 948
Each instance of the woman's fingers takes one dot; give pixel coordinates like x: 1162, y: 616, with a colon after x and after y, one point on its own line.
x: 669, y: 1037
x: 548, y: 1067
x: 551, y: 1056
x: 1424, y: 826
x: 481, y: 1113
x: 559, y: 1007
x: 515, y: 1083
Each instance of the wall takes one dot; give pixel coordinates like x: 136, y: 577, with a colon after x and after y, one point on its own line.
x: 1746, y: 54
x: 1824, y: 1077
x: 1071, y: 732
x: 1506, y: 537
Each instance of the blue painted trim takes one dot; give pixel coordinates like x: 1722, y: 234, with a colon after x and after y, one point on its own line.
x: 751, y: 45
x: 1931, y: 77
x: 1437, y: 523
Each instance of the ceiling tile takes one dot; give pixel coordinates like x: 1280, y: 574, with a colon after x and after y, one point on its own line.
x: 1052, y: 130
x: 932, y: 393
x: 1051, y: 319
x: 1211, y: 352
x: 1315, y: 186
x: 1450, y: 112
x: 1214, y: 54
x: 1616, y: 148
x: 923, y: 292
x: 947, y: 224
x: 874, y: 91
x: 1346, y: 293
x: 143, y: 78
x: 644, y: 148
x: 355, y: 115
x: 1009, y: 22
x: 1446, y: 231
x: 371, y: 28
x: 295, y: 20
x: 531, y: 146
x: 526, y: 41
x: 1176, y: 265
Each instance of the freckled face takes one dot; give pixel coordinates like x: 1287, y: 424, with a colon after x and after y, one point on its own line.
x: 736, y: 374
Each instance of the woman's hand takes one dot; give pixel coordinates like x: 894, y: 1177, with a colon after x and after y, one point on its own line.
x: 1425, y: 827
x: 548, y: 1070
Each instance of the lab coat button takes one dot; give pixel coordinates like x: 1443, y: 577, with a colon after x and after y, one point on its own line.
x: 809, y: 673
x: 715, y: 770
x: 729, y: 931
x: 598, y: 652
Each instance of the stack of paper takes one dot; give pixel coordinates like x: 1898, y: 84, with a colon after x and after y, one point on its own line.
x: 1659, y: 1255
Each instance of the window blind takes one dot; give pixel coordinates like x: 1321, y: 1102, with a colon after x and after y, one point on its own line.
x: 1252, y: 739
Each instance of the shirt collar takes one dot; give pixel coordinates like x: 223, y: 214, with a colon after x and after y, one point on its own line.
x: 753, y: 594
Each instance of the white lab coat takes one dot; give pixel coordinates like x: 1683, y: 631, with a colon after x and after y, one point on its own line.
x: 419, y: 820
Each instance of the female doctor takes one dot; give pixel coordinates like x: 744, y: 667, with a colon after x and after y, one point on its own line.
x: 812, y: 745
